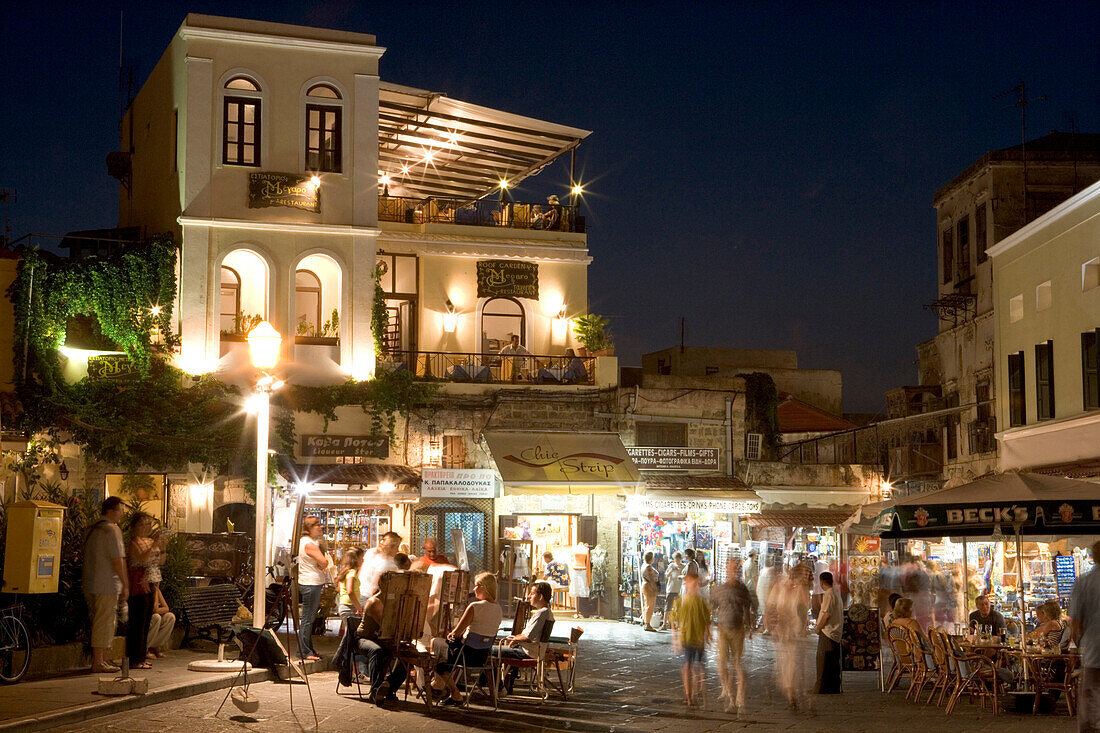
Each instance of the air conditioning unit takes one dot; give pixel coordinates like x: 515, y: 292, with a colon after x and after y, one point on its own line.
x: 754, y: 446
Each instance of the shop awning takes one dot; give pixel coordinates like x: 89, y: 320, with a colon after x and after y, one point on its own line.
x: 798, y: 518
x: 815, y: 497
x: 699, y: 500
x: 546, y: 462
x: 350, y: 474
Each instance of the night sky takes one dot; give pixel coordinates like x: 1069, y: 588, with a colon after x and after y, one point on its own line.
x: 764, y: 170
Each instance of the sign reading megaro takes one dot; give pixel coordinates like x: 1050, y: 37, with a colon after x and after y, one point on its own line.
x: 458, y: 483
x: 673, y: 459
x: 283, y: 189
x: 367, y: 446
x: 507, y: 278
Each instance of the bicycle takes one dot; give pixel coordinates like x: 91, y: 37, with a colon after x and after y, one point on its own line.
x: 15, y: 645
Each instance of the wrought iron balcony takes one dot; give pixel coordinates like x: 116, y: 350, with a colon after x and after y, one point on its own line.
x: 493, y: 368
x: 509, y: 214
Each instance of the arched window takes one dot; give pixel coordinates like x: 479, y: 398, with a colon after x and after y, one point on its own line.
x: 241, y: 122
x: 230, y: 299
x: 307, y: 303
x: 324, y: 115
x: 500, y: 318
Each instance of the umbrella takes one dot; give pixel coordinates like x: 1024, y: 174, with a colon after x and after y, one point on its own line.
x: 1030, y: 503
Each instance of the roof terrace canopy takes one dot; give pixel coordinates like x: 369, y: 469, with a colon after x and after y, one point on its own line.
x: 432, y: 145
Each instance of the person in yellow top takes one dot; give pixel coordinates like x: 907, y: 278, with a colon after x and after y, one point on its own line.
x: 693, y: 633
x: 347, y: 581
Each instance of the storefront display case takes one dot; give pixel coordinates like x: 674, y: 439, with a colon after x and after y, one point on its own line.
x: 345, y: 528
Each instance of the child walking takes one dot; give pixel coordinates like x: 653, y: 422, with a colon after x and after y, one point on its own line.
x: 693, y: 635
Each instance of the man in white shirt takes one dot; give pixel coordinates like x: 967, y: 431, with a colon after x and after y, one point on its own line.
x: 674, y: 580
x: 377, y: 562
x: 515, y: 365
x: 829, y: 626
x: 524, y: 645
x: 819, y: 567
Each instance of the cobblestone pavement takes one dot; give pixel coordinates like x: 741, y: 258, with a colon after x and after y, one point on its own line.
x: 628, y: 680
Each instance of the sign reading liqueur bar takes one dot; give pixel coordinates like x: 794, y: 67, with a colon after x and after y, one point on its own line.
x: 283, y: 189
x: 366, y: 446
x: 507, y: 278
x: 673, y: 459
x: 458, y: 483
x: 110, y: 366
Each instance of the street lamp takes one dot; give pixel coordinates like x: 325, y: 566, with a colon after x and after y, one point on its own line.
x: 263, y: 346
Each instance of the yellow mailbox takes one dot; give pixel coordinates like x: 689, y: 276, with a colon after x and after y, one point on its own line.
x: 32, y: 554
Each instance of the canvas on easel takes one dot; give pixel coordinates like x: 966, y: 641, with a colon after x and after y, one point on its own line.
x: 462, y: 560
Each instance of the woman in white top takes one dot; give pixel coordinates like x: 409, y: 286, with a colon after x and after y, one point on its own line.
x: 480, y: 622
x: 312, y: 575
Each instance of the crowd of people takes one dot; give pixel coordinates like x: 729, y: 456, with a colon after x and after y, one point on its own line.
x: 121, y: 581
x: 776, y: 599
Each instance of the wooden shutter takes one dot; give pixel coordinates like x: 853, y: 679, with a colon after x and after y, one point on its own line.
x: 586, y: 530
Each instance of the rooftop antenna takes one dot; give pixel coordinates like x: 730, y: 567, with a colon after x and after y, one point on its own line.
x: 1022, y: 102
x: 1069, y: 121
x: 8, y: 197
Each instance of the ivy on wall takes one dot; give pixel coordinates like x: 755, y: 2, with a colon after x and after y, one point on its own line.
x: 130, y: 293
x: 378, y: 316
x: 761, y: 410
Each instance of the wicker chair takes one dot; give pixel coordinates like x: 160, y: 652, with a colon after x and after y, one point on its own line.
x: 977, y: 678
x: 1053, y: 674
x: 905, y: 659
x: 948, y: 671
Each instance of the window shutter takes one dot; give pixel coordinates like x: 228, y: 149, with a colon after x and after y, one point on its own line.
x: 754, y: 443
x: 586, y: 530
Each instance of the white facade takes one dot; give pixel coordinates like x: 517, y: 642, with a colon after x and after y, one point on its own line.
x: 1046, y: 285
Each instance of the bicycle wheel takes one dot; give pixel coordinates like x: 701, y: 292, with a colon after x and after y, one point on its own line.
x: 15, y: 650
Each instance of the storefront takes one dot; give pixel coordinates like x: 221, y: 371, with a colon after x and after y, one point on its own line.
x: 457, y: 502
x: 356, y: 502
x: 562, y: 493
x: 676, y: 513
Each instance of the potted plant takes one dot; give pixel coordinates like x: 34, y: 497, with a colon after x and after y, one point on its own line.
x: 591, y: 331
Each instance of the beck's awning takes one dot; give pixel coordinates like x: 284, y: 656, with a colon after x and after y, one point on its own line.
x: 547, y: 462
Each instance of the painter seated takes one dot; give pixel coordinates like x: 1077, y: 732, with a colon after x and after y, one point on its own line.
x: 984, y: 615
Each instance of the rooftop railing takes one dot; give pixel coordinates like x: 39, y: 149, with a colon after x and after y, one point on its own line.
x: 507, y: 214
x: 492, y: 368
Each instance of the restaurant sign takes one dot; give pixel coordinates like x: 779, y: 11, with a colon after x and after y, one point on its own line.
x: 110, y: 366
x: 458, y: 483
x: 283, y: 189
x: 366, y: 446
x: 507, y: 278
x: 673, y: 459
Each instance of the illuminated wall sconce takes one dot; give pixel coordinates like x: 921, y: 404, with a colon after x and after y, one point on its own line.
x: 63, y: 471
x: 450, y: 319
x: 559, y: 327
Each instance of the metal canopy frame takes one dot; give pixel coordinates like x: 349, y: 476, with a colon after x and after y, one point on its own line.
x: 432, y: 145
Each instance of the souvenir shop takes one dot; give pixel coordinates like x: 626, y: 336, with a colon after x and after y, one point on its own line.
x: 557, y: 488
x: 668, y: 521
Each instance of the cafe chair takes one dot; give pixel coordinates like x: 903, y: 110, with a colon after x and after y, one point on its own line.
x: 468, y: 677
x: 564, y: 657
x: 941, y: 656
x: 977, y: 678
x: 1053, y: 674
x: 534, y: 667
x: 905, y: 660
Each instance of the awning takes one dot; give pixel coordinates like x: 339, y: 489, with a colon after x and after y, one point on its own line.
x: 798, y: 518
x: 824, y: 497
x: 546, y: 462
x: 432, y: 145
x: 350, y: 474
x: 698, y: 500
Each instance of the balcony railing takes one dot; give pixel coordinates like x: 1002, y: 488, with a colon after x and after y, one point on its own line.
x: 981, y: 434
x: 916, y: 459
x: 492, y: 368
x: 513, y: 215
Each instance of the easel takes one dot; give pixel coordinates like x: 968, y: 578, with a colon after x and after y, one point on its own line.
x: 262, y: 633
x: 506, y: 564
x: 404, y: 610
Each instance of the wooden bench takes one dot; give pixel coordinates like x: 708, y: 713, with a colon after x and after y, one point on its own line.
x: 209, y: 608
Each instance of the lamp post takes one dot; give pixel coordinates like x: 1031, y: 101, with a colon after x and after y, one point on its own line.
x: 263, y: 345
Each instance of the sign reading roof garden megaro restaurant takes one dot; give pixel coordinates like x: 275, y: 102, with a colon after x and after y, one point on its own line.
x: 283, y: 189
x: 507, y: 278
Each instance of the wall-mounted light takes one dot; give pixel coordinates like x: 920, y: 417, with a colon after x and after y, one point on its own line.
x: 386, y: 487
x: 450, y: 318
x: 315, y: 181
x: 384, y: 181
x: 559, y: 326
x: 63, y: 471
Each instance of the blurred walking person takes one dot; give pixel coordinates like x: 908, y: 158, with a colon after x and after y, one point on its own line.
x: 764, y: 585
x: 733, y: 608
x: 650, y: 577
x: 693, y: 633
x: 788, y: 624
